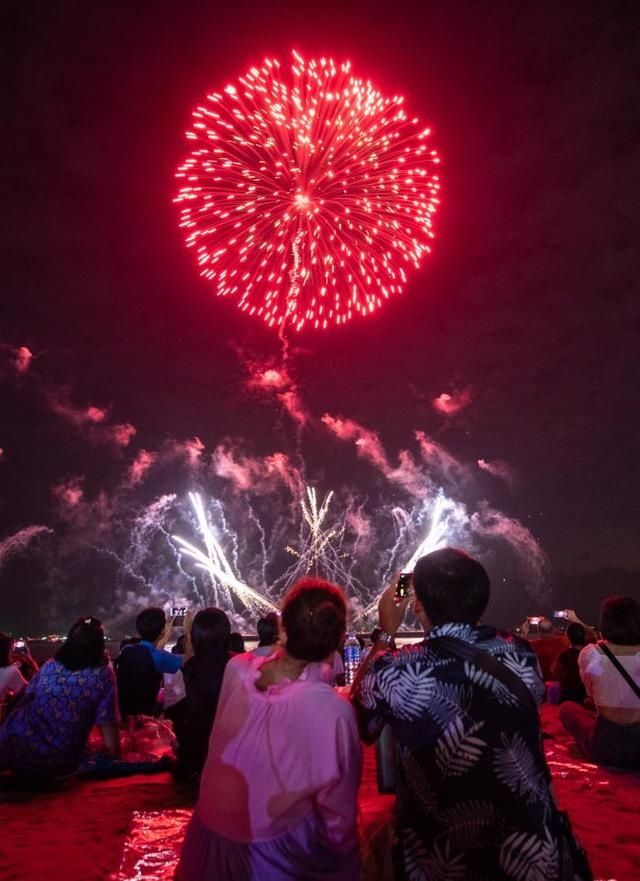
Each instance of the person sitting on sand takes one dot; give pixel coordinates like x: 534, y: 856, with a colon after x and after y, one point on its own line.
x: 278, y: 791
x: 610, y: 670
x: 139, y: 667
x: 45, y: 735
x: 202, y: 676
x: 547, y: 646
x: 268, y: 631
x: 11, y: 679
x: 472, y: 791
x: 565, y: 670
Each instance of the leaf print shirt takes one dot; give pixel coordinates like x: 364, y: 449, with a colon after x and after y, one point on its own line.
x: 473, y: 798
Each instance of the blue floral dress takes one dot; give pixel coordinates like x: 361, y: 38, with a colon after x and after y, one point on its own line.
x: 46, y: 734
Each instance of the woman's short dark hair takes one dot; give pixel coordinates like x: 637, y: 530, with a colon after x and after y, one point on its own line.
x: 268, y: 629
x: 84, y: 645
x: 6, y: 643
x: 314, y: 616
x: 620, y: 620
x: 150, y: 623
x: 210, y: 632
x: 451, y: 586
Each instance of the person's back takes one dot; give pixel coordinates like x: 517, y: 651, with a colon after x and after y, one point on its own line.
x: 278, y: 792
x: 46, y: 734
x: 467, y: 747
x: 565, y: 669
x: 472, y: 789
x: 138, y: 681
x: 547, y: 647
x: 278, y: 740
x: 203, y: 674
x: 610, y: 671
x: 139, y: 666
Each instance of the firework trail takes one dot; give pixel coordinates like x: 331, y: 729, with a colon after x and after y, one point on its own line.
x: 213, y: 560
x: 322, y: 549
x: 438, y: 534
x: 20, y: 541
x: 308, y: 194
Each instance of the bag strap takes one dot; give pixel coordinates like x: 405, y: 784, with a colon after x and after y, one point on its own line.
x: 486, y: 662
x: 633, y: 685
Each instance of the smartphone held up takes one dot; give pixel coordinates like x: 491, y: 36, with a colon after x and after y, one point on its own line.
x: 178, y: 615
x: 403, y: 585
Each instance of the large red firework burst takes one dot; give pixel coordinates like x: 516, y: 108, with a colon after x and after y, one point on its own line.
x: 308, y: 194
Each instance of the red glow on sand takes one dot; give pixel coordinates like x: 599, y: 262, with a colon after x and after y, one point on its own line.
x: 308, y: 195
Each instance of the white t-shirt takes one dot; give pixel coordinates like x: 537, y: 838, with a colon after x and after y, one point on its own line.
x: 174, y: 689
x: 604, y: 684
x: 11, y: 679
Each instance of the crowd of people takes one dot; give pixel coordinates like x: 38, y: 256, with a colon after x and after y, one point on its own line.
x: 274, y: 751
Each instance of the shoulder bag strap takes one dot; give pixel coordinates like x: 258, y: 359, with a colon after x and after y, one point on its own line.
x: 616, y: 663
x: 485, y: 661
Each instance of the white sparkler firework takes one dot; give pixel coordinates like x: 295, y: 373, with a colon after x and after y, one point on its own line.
x: 320, y: 542
x: 320, y: 550
x: 434, y: 540
x: 214, y: 561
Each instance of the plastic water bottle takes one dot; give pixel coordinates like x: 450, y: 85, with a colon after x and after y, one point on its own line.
x: 351, y: 657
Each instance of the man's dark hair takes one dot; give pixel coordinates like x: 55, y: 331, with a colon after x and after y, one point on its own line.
x: 268, y: 629
x: 314, y: 617
x: 451, y: 586
x: 620, y: 620
x: 5, y: 649
x: 150, y: 623
x: 84, y: 645
x: 210, y: 632
x: 576, y: 634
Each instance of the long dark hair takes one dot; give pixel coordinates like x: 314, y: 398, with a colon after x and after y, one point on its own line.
x: 84, y: 645
x: 210, y: 633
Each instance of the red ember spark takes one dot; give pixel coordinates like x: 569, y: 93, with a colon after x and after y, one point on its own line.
x: 308, y: 194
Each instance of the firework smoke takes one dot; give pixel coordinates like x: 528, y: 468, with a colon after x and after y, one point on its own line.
x: 20, y: 541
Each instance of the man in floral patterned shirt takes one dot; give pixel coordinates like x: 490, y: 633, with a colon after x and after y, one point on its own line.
x: 473, y: 798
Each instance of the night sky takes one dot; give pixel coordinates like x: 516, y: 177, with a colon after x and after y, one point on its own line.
x: 527, y: 311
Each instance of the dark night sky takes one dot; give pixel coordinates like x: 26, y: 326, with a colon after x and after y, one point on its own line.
x: 529, y: 299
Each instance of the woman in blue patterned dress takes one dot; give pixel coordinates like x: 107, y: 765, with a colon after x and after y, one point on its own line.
x: 45, y: 736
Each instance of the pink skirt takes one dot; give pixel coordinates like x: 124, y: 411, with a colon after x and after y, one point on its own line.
x: 295, y: 856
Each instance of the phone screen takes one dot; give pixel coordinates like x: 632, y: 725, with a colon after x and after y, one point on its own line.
x: 403, y: 585
x: 178, y: 614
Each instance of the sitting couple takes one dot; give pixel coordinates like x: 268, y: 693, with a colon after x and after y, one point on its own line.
x: 278, y: 795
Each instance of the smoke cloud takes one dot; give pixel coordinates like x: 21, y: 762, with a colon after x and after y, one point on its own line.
x: 499, y: 469
x: 449, y: 403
